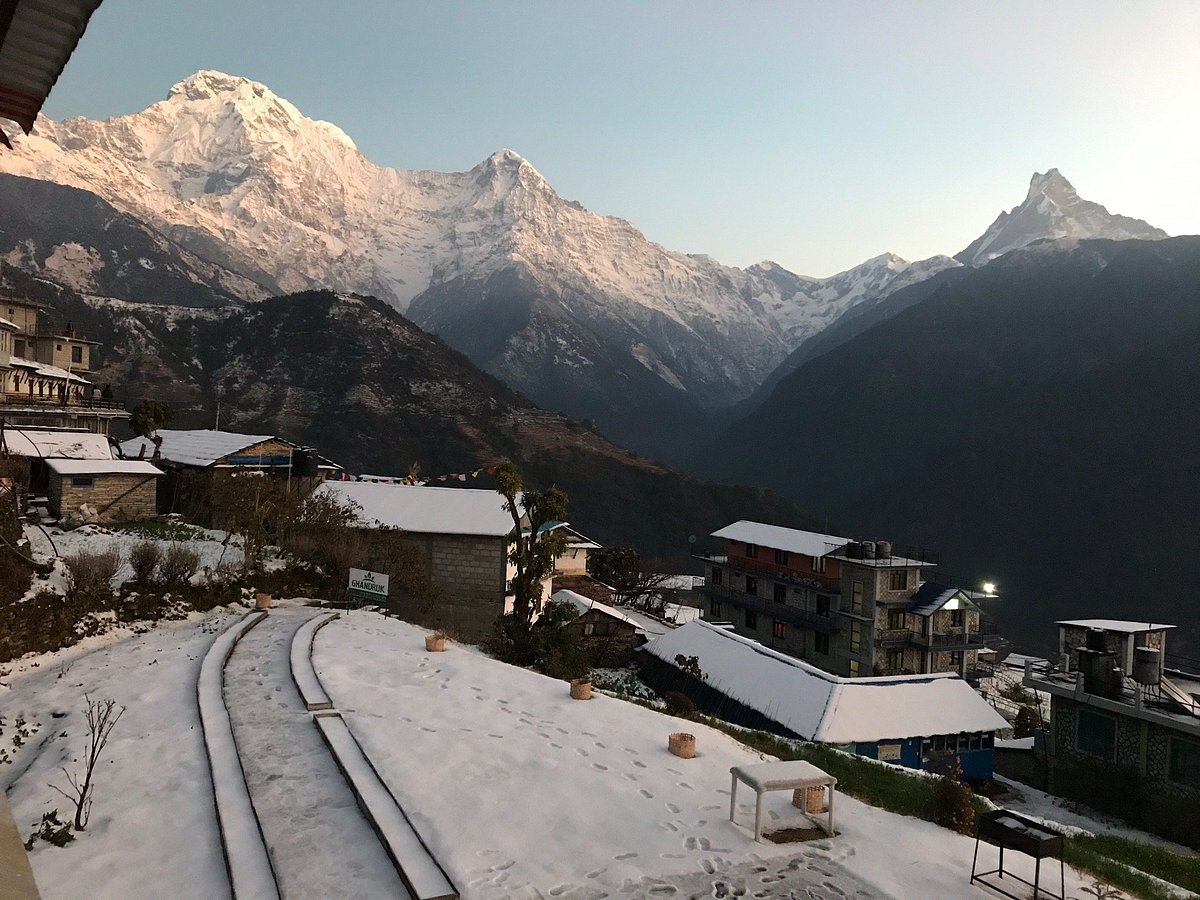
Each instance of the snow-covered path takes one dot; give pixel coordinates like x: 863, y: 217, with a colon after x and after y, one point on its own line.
x: 320, y: 844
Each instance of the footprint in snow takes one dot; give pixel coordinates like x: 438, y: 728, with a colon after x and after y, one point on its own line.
x: 671, y: 807
x: 581, y: 751
x: 630, y: 855
x: 599, y: 767
x: 639, y: 764
x: 645, y: 793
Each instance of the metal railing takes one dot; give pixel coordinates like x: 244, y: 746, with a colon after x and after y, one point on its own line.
x: 69, y: 401
x: 826, y: 624
x: 774, y: 570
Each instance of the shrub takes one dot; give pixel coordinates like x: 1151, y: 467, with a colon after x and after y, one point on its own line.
x: 90, y: 573
x: 954, y: 803
x: 178, y: 565
x: 1027, y: 723
x: 143, y: 559
x: 679, y: 704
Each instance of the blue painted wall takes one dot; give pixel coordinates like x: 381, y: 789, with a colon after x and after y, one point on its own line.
x: 976, y: 764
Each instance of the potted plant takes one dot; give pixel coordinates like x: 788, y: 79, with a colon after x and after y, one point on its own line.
x: 682, y: 744
x: 436, y: 642
x: 262, y: 600
x: 581, y: 687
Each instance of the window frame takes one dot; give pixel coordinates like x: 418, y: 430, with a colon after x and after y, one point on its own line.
x: 781, y: 557
x: 857, y: 589
x: 752, y: 585
x: 819, y: 640
x: 83, y: 481
x: 778, y: 629
x: 779, y: 592
x: 718, y: 575
x: 752, y: 551
x: 1194, y: 747
x: 902, y: 576
x: 751, y: 619
x: 1085, y: 712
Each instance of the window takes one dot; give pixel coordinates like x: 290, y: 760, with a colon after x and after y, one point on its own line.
x: 779, y: 629
x: 76, y: 354
x: 58, y: 348
x: 1096, y: 734
x: 856, y: 598
x: 717, y: 574
x: 958, y: 618
x: 1183, y: 762
x: 780, y: 592
x: 818, y: 564
x: 854, y: 668
x: 822, y: 605
x: 18, y: 347
x: 895, y: 619
x: 895, y: 661
x: 855, y: 636
x: 716, y: 609
x: 821, y: 644
x: 898, y: 580
x: 752, y: 550
x: 752, y: 586
x: 83, y: 481
x: 751, y: 619
x: 588, y: 628
x: 781, y: 557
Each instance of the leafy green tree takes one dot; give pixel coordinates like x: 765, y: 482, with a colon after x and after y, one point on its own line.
x: 149, y: 416
x: 532, y: 550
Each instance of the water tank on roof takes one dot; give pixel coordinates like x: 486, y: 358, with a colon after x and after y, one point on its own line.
x: 854, y: 550
x: 1147, y: 665
x: 883, y: 549
x: 1100, y: 673
x: 304, y: 462
x: 868, y: 548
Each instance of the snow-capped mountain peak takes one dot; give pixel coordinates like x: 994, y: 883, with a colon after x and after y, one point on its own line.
x: 1053, y: 210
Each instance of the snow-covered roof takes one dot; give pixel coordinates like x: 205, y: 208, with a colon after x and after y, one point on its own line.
x: 1116, y: 625
x: 429, y: 510
x: 822, y: 707
x: 4, y: 323
x: 201, y: 447
x: 45, y: 369
x: 809, y: 543
x: 56, y: 444
x: 931, y: 596
x: 584, y: 604
x: 102, y: 467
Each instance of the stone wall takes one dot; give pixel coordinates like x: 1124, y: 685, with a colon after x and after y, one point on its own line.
x: 467, y: 571
x: 114, y: 498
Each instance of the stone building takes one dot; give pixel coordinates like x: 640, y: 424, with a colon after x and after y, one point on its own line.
x: 1124, y: 727
x: 190, y: 457
x: 852, y: 608
x: 606, y: 633
x: 45, y: 373
x: 101, y: 490
x: 461, y: 537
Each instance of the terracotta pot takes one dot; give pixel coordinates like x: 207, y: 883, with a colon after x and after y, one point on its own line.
x: 262, y: 600
x: 435, y: 643
x: 682, y: 744
x: 581, y: 689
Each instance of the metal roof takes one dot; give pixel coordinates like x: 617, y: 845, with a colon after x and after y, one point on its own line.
x: 931, y: 596
x: 1116, y: 625
x: 102, y: 467
x: 49, y: 444
x: 37, y: 37
x: 776, y: 537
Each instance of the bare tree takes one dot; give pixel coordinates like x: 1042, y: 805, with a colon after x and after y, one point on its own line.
x: 633, y: 584
x: 101, y: 717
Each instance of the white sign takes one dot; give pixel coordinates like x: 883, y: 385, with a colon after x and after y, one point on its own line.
x: 889, y: 752
x: 372, y: 584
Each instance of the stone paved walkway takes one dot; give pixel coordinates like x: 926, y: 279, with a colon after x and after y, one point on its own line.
x: 320, y: 844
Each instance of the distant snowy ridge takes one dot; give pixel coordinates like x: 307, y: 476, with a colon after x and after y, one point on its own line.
x: 1053, y: 210
x: 223, y: 161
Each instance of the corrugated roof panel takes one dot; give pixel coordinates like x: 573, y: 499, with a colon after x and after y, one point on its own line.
x: 37, y: 37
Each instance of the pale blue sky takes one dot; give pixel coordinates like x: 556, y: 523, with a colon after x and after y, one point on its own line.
x: 816, y: 135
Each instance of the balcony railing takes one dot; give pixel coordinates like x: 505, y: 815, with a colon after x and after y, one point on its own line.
x: 803, y: 618
x: 819, y: 582
x: 19, y: 399
x: 956, y: 640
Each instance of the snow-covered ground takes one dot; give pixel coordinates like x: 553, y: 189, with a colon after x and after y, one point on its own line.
x: 153, y: 829
x: 520, y: 791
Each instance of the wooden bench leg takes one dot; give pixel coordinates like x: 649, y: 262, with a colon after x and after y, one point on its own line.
x: 732, y: 796
x: 757, y: 816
